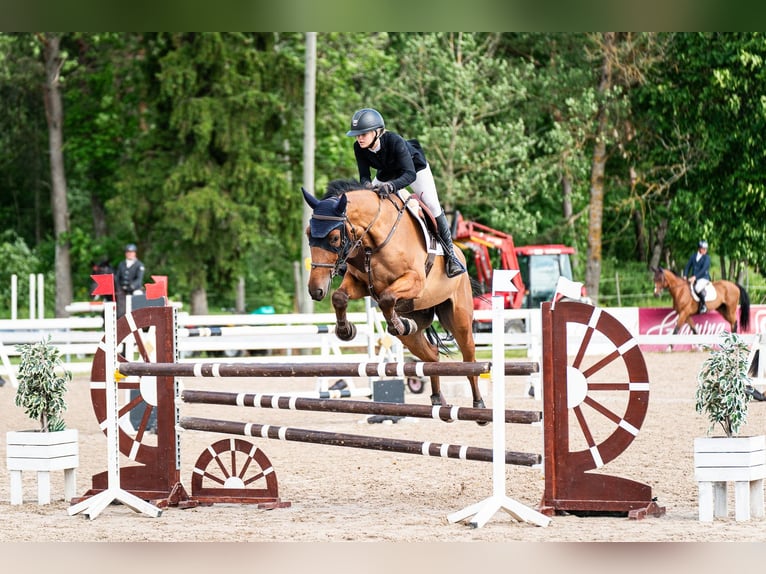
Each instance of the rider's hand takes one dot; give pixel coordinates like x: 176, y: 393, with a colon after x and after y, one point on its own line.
x: 385, y: 189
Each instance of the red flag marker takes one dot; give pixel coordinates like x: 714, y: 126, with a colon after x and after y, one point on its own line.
x: 157, y: 289
x: 104, y: 284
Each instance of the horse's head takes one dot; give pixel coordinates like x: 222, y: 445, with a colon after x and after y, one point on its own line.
x: 660, y: 281
x: 327, y: 237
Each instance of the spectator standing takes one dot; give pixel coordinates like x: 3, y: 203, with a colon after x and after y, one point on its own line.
x: 129, y: 278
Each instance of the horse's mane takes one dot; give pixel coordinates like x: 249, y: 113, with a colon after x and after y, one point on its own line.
x: 674, y: 272
x: 338, y: 187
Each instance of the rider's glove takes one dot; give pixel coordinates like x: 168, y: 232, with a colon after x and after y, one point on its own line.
x: 385, y: 189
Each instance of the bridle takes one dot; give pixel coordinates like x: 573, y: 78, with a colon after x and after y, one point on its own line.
x: 351, y: 243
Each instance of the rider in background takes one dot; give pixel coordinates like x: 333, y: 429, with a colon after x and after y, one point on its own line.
x: 399, y: 163
x: 697, y: 273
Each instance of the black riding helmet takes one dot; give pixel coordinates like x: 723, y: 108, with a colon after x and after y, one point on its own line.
x: 365, y: 120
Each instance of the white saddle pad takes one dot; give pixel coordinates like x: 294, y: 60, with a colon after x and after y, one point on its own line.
x: 414, y: 209
x: 710, y: 293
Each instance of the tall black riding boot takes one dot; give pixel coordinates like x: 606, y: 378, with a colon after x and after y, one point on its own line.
x: 452, y: 265
x: 702, y: 306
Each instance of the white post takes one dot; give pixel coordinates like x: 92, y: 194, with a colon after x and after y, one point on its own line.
x: 32, y: 296
x: 14, y: 296
x: 483, y: 511
x: 41, y: 296
x: 370, y: 326
x: 95, y: 504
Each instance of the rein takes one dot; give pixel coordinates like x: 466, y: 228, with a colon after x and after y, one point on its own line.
x: 366, y: 267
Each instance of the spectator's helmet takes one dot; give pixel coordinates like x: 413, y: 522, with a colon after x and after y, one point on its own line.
x: 365, y: 120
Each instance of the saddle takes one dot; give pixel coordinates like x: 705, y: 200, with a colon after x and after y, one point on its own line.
x: 420, y: 212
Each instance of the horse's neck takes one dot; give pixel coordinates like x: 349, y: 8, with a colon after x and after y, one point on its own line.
x: 375, y: 226
x: 676, y: 285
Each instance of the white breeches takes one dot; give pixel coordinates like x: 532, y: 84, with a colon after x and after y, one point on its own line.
x: 700, y: 284
x: 424, y: 188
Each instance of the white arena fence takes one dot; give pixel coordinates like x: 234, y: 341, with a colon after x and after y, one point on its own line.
x: 311, y: 337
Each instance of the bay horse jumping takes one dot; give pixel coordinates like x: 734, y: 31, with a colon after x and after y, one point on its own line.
x: 380, y: 249
x: 728, y: 295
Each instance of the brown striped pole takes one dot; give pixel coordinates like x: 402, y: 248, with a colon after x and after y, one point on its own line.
x: 356, y: 441
x: 443, y: 413
x: 409, y: 369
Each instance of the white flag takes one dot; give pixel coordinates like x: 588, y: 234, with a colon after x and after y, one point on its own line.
x: 567, y: 288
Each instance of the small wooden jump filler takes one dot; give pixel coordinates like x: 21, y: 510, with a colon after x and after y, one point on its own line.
x: 235, y: 470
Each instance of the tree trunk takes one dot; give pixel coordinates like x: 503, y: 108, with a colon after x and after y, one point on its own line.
x: 658, y: 244
x: 598, y: 166
x: 566, y: 208
x: 54, y: 116
x: 198, y: 302
x: 638, y: 227
x: 239, y: 304
x: 98, y: 213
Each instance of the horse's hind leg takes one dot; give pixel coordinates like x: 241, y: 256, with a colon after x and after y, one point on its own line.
x: 460, y: 324
x: 424, y: 350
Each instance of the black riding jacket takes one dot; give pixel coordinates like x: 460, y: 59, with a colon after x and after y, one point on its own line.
x: 397, y: 161
x: 129, y: 279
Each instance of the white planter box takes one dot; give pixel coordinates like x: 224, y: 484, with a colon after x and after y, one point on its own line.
x: 741, y: 460
x: 42, y: 452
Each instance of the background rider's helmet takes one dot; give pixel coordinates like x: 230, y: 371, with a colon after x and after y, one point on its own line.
x: 365, y: 120
x: 130, y: 247
x: 702, y: 244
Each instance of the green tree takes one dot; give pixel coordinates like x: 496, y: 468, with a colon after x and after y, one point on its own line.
x: 455, y: 94
x: 707, y: 100
x: 206, y: 185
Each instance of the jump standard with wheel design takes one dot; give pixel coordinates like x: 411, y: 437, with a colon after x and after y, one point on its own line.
x: 567, y: 390
x: 234, y: 470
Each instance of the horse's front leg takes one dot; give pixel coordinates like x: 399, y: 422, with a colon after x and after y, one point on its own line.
x: 405, y: 288
x: 349, y: 289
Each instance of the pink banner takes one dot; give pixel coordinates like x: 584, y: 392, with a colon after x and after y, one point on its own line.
x: 662, y: 321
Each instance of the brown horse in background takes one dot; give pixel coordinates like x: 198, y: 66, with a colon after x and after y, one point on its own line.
x: 380, y: 249
x: 728, y: 295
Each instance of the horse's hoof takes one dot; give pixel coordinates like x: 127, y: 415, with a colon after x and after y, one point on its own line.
x: 480, y: 405
x: 438, y: 401
x: 345, y: 333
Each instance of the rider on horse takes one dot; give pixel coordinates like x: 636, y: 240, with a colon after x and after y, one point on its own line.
x: 399, y: 163
x: 697, y: 272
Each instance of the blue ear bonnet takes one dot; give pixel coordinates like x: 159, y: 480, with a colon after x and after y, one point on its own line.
x: 328, y: 215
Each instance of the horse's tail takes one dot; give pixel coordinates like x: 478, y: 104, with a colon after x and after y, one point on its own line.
x: 476, y: 288
x: 435, y: 339
x: 744, y: 309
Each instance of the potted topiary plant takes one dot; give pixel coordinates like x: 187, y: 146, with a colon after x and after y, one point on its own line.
x: 41, y: 393
x: 723, y: 394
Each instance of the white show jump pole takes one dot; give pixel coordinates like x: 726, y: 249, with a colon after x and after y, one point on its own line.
x: 484, y: 510
x: 93, y: 505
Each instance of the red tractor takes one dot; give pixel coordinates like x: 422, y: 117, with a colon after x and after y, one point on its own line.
x: 539, y: 266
